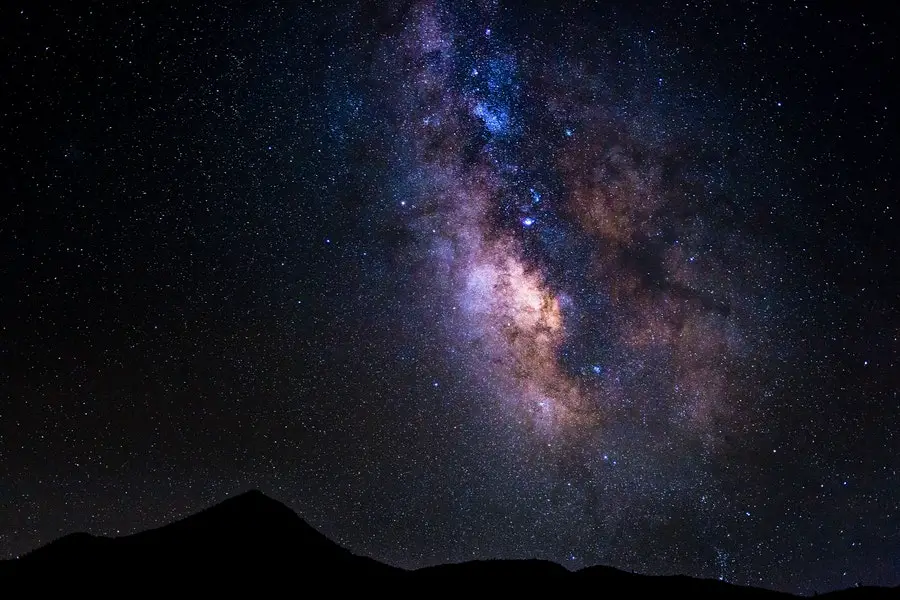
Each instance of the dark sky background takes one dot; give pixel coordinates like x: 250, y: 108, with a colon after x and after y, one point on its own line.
x: 599, y: 284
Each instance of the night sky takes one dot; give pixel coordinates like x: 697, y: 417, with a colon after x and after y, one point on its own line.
x: 601, y: 284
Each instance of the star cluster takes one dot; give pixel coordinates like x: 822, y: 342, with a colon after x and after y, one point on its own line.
x: 601, y: 284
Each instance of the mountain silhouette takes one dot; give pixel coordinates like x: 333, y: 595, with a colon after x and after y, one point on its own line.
x: 253, y: 537
x: 251, y: 530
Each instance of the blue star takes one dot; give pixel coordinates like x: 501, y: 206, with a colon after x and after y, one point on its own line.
x: 528, y: 221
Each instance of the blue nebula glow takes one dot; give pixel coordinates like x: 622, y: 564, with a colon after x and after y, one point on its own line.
x: 596, y: 369
x: 496, y: 120
x: 501, y: 77
x: 535, y: 196
x: 568, y: 132
x: 528, y: 221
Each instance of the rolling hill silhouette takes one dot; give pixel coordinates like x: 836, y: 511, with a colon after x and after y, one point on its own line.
x: 252, y: 536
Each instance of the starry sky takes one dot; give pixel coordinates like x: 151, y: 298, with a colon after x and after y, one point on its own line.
x: 601, y: 283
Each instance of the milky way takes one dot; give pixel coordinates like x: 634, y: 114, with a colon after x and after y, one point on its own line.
x: 587, y: 256
x: 604, y: 307
x: 590, y: 293
x: 600, y: 283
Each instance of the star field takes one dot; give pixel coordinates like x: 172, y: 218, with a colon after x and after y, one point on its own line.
x: 601, y: 284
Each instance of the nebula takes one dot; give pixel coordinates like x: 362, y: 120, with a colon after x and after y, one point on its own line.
x: 588, y: 288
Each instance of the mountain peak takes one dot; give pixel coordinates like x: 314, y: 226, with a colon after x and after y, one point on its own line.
x: 250, y: 530
x: 252, y: 504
